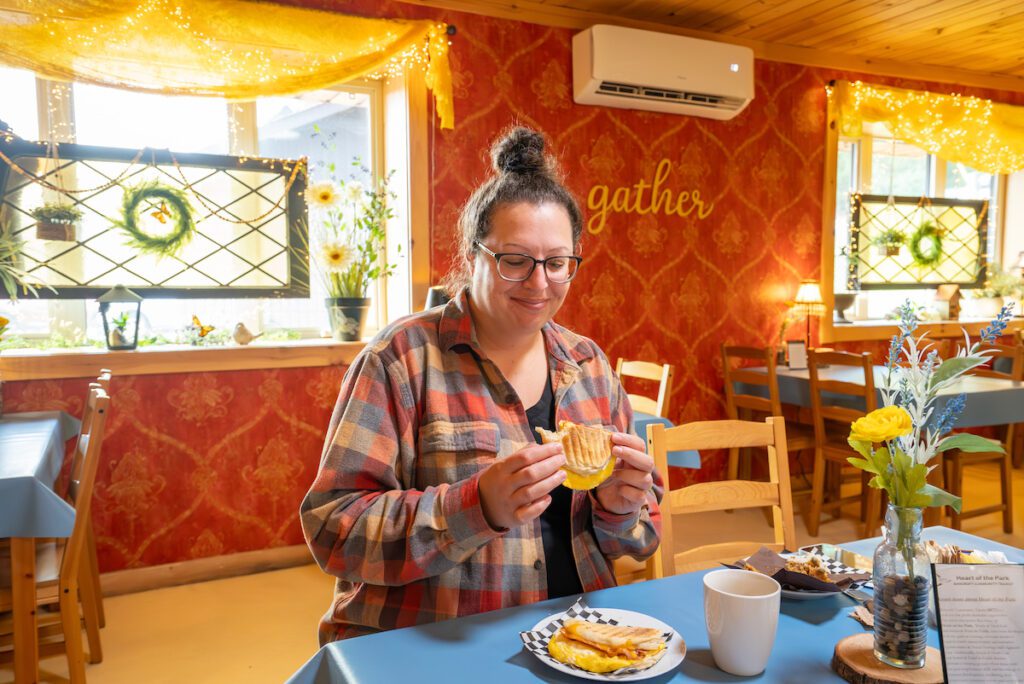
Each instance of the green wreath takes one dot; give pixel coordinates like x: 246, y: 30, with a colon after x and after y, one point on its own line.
x: 926, y: 245
x: 164, y: 201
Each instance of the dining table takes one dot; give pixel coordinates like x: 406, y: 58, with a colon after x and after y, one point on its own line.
x: 486, y: 647
x: 32, y: 450
x: 990, y: 401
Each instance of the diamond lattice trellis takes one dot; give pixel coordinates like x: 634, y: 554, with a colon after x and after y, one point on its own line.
x: 963, y: 225
x: 248, y: 214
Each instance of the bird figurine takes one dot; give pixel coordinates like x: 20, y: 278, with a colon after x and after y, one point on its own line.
x: 243, y: 335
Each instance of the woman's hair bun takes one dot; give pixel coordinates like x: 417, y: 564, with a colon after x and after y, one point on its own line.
x: 521, y: 150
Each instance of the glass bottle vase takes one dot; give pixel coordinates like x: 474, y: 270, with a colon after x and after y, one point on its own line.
x: 902, y: 582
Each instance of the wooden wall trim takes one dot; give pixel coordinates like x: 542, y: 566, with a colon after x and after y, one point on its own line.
x: 203, y: 569
x: 537, y: 12
x: 77, y: 363
x: 884, y: 330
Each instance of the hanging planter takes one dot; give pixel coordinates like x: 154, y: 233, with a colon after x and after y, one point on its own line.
x: 926, y: 245
x: 56, y: 221
x: 166, y: 205
x: 889, y: 242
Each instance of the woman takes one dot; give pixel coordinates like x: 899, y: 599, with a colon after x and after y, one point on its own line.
x: 434, y: 499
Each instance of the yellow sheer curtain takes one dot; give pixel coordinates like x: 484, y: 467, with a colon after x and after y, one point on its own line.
x: 982, y: 134
x: 235, y: 49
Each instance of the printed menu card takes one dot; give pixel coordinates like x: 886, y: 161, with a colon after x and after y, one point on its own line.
x: 980, y: 611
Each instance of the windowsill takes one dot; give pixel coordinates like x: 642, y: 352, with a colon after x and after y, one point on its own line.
x: 42, y: 364
x: 884, y: 329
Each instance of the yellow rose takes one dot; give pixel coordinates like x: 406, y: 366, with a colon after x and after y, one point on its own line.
x: 882, y: 425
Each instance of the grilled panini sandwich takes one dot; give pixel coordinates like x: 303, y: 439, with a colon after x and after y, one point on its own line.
x: 603, y: 648
x: 588, y: 453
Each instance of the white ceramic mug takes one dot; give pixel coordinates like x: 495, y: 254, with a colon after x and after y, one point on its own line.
x: 741, y: 610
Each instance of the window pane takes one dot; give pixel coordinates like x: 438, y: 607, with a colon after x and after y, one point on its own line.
x: 18, y: 109
x: 963, y: 182
x: 178, y: 123
x: 898, y: 169
x: 328, y: 127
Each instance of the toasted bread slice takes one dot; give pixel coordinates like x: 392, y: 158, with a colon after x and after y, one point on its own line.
x: 614, y: 638
x: 606, y: 648
x: 588, y: 453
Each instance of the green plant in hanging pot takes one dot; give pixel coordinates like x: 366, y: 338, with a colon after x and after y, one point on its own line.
x: 56, y: 221
x: 889, y: 241
x: 157, y: 219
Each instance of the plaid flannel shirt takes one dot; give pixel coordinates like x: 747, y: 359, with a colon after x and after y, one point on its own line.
x: 394, y: 512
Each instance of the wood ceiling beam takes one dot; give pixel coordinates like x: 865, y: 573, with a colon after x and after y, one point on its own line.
x: 535, y: 12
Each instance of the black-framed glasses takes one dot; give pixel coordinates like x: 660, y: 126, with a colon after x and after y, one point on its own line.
x: 516, y: 267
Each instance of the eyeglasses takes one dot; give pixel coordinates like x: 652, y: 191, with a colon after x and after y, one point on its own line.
x: 516, y: 267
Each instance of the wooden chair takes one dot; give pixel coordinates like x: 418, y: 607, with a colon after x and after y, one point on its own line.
x: 831, y: 429
x: 739, y: 405
x: 955, y: 460
x: 58, y: 566
x: 646, y: 370
x: 724, y: 495
x: 91, y: 589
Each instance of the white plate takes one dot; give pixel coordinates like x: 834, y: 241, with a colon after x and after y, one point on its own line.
x: 674, y: 654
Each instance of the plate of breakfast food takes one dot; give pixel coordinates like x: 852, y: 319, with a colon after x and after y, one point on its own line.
x: 805, y: 576
x: 605, y: 644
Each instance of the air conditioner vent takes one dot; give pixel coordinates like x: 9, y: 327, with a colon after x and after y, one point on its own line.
x: 662, y: 94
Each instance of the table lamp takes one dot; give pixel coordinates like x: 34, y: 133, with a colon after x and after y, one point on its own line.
x: 808, y: 301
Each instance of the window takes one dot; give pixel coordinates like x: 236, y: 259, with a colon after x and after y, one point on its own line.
x: 879, y: 165
x: 330, y: 127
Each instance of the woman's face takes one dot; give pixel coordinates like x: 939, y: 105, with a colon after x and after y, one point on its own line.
x: 520, y: 308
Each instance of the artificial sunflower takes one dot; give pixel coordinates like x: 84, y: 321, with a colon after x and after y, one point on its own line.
x: 337, y: 256
x: 323, y: 194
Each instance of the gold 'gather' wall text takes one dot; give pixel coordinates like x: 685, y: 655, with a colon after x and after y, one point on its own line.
x: 624, y: 201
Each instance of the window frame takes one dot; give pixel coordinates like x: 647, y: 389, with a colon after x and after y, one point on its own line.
x: 399, y: 140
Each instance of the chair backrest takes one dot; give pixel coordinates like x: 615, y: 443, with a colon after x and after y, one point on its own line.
x: 736, y: 400
x: 1015, y: 353
x: 645, y: 370
x: 826, y: 407
x: 87, y: 452
x: 725, y: 495
x: 103, y: 382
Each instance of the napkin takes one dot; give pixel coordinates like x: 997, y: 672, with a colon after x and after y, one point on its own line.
x: 772, y: 564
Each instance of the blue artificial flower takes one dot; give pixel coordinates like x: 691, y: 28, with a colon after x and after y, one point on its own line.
x: 995, y: 330
x: 945, y: 421
x: 907, y: 325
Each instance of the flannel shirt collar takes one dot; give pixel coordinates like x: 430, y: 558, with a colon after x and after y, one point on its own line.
x: 456, y: 328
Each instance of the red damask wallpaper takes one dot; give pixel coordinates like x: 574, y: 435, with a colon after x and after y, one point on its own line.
x: 201, y: 465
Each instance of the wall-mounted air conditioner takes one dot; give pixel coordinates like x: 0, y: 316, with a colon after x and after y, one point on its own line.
x: 660, y: 72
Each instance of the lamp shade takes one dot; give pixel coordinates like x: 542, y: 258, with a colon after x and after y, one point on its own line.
x: 808, y: 298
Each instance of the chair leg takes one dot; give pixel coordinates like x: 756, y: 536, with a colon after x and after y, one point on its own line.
x: 71, y: 625
x: 817, y: 492
x: 872, y: 499
x: 94, y: 570
x: 1006, y: 475
x: 734, y: 463
x: 90, y: 613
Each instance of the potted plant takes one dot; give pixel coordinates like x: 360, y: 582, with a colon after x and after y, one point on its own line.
x: 1000, y: 286
x: 12, y: 276
x: 889, y: 241
x: 347, y: 246
x: 56, y: 221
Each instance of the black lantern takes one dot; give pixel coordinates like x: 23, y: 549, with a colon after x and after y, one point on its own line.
x: 120, y: 308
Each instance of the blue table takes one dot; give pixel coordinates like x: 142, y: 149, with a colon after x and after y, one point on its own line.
x: 679, y: 459
x: 486, y: 647
x: 990, y: 401
x: 31, y: 456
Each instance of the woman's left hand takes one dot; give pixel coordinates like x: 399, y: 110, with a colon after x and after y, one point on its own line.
x: 626, y: 490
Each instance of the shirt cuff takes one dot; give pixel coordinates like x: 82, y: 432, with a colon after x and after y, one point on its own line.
x: 613, y: 522
x: 465, y: 515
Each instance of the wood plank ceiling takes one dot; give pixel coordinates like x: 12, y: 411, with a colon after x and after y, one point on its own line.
x: 970, y: 42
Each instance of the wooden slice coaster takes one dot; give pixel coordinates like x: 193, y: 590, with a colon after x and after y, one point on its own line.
x: 854, y: 660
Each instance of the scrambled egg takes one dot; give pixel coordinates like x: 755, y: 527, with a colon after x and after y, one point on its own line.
x: 584, y: 482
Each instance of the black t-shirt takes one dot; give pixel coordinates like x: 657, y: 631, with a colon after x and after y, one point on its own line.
x: 555, y: 522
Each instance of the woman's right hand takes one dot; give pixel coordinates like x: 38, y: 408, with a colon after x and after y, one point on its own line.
x: 515, y: 490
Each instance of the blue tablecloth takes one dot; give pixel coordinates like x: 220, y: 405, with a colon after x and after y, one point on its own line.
x: 486, y: 647
x: 990, y: 401
x: 679, y: 459
x: 31, y: 456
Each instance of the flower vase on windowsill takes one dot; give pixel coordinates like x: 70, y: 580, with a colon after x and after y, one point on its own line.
x: 347, y: 317
x: 896, y: 444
